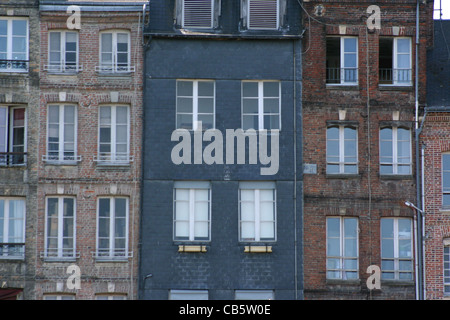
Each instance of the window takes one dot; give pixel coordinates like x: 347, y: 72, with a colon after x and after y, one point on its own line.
x: 63, y: 52
x: 59, y: 297
x: 192, y: 211
x: 396, y: 249
x: 261, y: 105
x: 257, y: 211
x: 112, y: 228
x: 195, y: 103
x: 447, y: 270
x: 114, y: 135
x: 111, y: 297
x: 263, y: 14
x: 395, y: 61
x: 13, y: 44
x: 342, y: 60
x: 12, y: 228
x: 446, y: 180
x: 198, y: 13
x: 395, y: 151
x: 254, y: 295
x: 12, y: 136
x: 115, y: 52
x: 188, y: 295
x: 61, y: 133
x: 342, y: 150
x: 342, y: 248
x: 60, y: 228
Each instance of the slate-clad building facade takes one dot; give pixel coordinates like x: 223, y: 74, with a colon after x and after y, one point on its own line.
x: 215, y: 225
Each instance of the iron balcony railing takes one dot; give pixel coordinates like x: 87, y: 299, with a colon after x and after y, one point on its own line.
x: 14, y: 65
x: 9, y: 159
x: 63, y: 68
x: 12, y: 250
x: 395, y: 77
x: 342, y: 76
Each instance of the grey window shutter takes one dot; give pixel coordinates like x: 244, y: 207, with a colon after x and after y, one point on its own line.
x: 198, y: 14
x: 263, y: 14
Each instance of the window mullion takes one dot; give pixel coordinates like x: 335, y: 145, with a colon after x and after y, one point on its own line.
x: 395, y: 150
x: 112, y: 212
x: 63, y: 51
x: 5, y: 221
x: 61, y: 133
x: 341, y: 149
x: 60, y: 226
x: 113, y: 132
x: 9, y: 37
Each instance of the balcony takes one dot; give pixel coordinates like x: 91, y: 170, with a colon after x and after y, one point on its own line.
x: 11, y: 159
x: 395, y: 77
x: 14, y: 65
x: 12, y: 251
x: 113, y: 159
x: 114, y: 69
x: 63, y: 68
x: 342, y: 76
x: 112, y: 255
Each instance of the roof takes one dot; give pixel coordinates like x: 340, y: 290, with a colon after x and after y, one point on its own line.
x: 438, y: 66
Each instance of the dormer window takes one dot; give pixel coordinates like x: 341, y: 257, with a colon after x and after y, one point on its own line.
x: 198, y: 13
x: 263, y: 14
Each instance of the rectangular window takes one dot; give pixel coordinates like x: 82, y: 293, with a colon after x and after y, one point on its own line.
x: 111, y: 297
x: 342, y: 150
x: 192, y: 211
x: 114, y: 135
x: 446, y: 180
x: 60, y: 228
x: 261, y: 105
x: 395, y: 61
x: 263, y: 14
x: 12, y: 228
x: 396, y: 249
x: 257, y: 211
x: 59, y: 297
x: 342, y: 60
x: 63, y: 52
x: 112, y: 228
x: 254, y: 295
x: 447, y: 270
x: 195, y: 103
x: 12, y: 136
x: 188, y: 295
x: 198, y: 13
x: 342, y: 248
x: 13, y: 44
x: 61, y: 133
x: 395, y: 151
x: 115, y: 52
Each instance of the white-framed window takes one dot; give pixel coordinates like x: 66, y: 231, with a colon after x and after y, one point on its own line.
x: 395, y: 61
x: 257, y: 211
x: 188, y: 295
x: 342, y: 248
x: 261, y: 105
x: 198, y: 13
x: 342, y: 60
x: 263, y: 14
x: 13, y: 44
x: 446, y: 180
x: 114, y: 135
x: 446, y: 270
x: 63, y: 50
x: 60, y: 227
x: 112, y: 228
x: 195, y: 103
x: 254, y: 295
x: 13, y: 124
x: 59, y: 297
x: 192, y: 211
x: 395, y: 151
x: 115, y: 52
x: 396, y: 249
x: 12, y: 228
x: 342, y: 150
x: 61, y: 133
x: 111, y: 297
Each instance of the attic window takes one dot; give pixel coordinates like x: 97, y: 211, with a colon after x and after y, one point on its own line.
x: 263, y: 14
x: 198, y: 13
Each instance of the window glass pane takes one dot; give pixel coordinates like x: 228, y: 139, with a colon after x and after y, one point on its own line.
x: 333, y: 247
x: 271, y: 89
x: 68, y: 207
x: 333, y: 227
x: 271, y: 122
x: 206, y: 88
x: 403, y: 45
x: 350, y: 227
x: 106, y: 39
x: 184, y: 88
x: 271, y: 106
x: 350, y: 248
x: 250, y: 122
x: 19, y: 27
x: 120, y: 207
x: 250, y: 106
x: 387, y: 248
x: 184, y: 105
x: 206, y: 105
x: 387, y: 228
x: 55, y: 41
x: 250, y: 89
x: 3, y: 27
x: 105, y: 115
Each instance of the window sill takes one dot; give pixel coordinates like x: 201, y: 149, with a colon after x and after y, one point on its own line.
x: 396, y: 176
x: 258, y: 249
x: 397, y: 282
x: 393, y: 87
x: 353, y: 282
x: 191, y: 248
x: 12, y: 258
x: 347, y: 87
x: 342, y: 176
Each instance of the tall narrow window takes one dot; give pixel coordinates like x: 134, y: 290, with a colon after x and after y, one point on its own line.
x: 112, y: 232
x: 263, y: 14
x: 395, y: 151
x: 12, y: 136
x: 114, y: 135
x: 61, y: 134
x: 257, y: 214
x: 342, y: 150
x: 198, y: 13
x: 192, y: 211
x: 261, y: 105
x: 60, y: 228
x: 63, y: 52
x: 446, y: 180
x: 13, y: 44
x: 447, y: 270
x: 12, y: 228
x: 342, y: 248
x: 115, y: 52
x: 396, y: 249
x: 395, y: 61
x: 342, y: 60
x: 195, y: 102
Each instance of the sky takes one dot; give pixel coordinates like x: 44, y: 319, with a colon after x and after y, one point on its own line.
x: 445, y: 9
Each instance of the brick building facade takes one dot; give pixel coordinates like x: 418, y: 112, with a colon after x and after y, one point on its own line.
x: 359, y: 102
x: 89, y: 149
